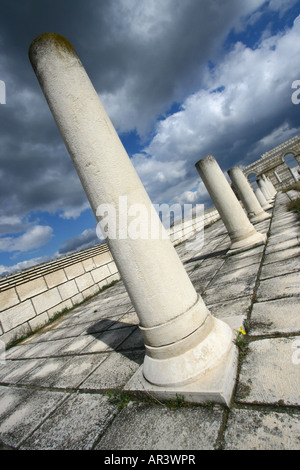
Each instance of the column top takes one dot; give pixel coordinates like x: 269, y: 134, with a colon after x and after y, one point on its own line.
x: 208, y: 158
x: 45, y: 40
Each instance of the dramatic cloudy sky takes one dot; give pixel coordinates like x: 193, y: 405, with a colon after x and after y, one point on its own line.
x: 180, y: 79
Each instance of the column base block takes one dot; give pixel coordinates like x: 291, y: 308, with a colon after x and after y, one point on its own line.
x: 267, y: 207
x: 260, y: 217
x: 253, y: 241
x: 214, y: 386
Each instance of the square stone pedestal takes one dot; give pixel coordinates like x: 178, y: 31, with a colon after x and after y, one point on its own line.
x: 252, y: 242
x: 215, y: 386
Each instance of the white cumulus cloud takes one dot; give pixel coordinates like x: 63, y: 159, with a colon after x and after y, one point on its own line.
x: 245, y: 99
x: 34, y: 237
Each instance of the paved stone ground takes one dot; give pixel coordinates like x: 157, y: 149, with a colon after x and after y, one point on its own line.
x: 53, y: 386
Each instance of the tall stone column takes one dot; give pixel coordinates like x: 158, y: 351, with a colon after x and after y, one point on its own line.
x: 242, y: 233
x: 262, y: 200
x: 272, y: 186
x: 293, y: 175
x: 254, y: 210
x: 277, y: 177
x: 269, y: 185
x: 182, y: 339
x: 264, y: 189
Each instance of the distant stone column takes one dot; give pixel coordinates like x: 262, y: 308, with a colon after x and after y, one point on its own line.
x: 182, y: 339
x: 277, y: 177
x: 254, y: 210
x: 269, y: 185
x: 264, y: 189
x: 272, y: 186
x: 293, y: 175
x: 242, y: 233
x: 262, y: 200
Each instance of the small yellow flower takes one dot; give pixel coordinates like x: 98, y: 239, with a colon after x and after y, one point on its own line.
x: 241, y: 330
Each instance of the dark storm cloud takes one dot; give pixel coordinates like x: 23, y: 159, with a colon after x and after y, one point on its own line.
x: 35, y: 169
x: 147, y: 54
x: 159, y: 50
x: 39, y: 178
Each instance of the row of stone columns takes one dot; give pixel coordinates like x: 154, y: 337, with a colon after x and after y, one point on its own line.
x: 184, y: 343
x: 254, y: 210
x: 240, y: 226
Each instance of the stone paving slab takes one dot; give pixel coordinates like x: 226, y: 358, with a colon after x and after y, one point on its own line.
x: 250, y: 252
x: 129, y: 318
x: 75, y: 424
x: 109, y: 340
x: 28, y: 415
x: 10, y: 399
x: 75, y: 371
x: 133, y: 342
x: 203, y: 272
x: 277, y: 244
x: 247, y: 273
x: 114, y: 372
x: 262, y: 430
x: 233, y: 312
x: 62, y: 333
x: 158, y: 427
x: 287, y: 285
x: 228, y: 291
x: 275, y: 316
x: 287, y: 266
x: 269, y: 373
x: 281, y: 217
x: 53, y: 386
x: 45, y: 349
x: 282, y: 254
x: 234, y: 263
x: 283, y: 234
x: 12, y: 371
x: 42, y: 375
x: 202, y: 277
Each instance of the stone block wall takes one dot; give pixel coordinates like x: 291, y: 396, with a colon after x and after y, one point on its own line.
x: 272, y: 164
x: 29, y: 299
x: 184, y: 230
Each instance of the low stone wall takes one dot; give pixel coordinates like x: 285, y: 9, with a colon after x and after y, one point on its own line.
x: 32, y: 297
x: 184, y: 230
x: 29, y: 299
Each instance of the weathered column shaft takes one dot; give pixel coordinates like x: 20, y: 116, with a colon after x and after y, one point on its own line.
x: 269, y: 185
x: 250, y: 201
x: 293, y: 175
x: 262, y: 200
x: 272, y: 186
x: 264, y: 189
x: 242, y: 233
x: 277, y: 177
x: 182, y: 339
